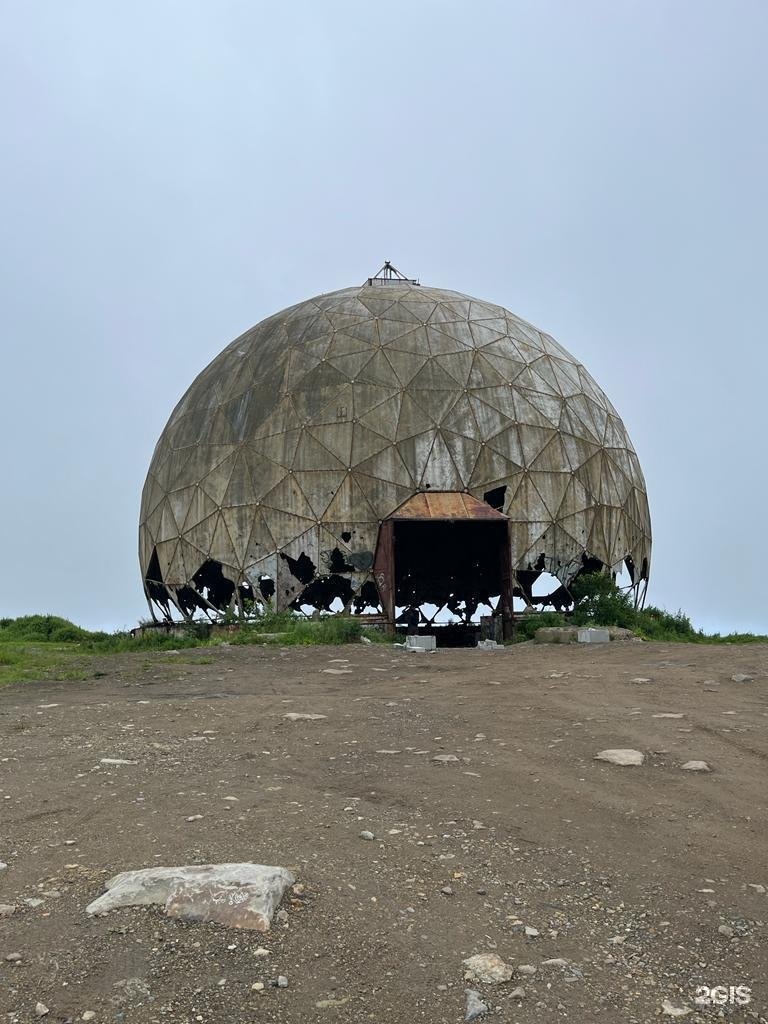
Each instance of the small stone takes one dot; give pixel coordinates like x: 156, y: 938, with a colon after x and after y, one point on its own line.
x: 726, y: 930
x: 41, y: 1010
x: 557, y: 961
x: 526, y: 969
x: 282, y: 981
x: 299, y: 716
x: 7, y: 910
x: 640, y: 679
x: 13, y: 958
x: 517, y: 993
x: 475, y: 1007
x: 621, y: 756
x: 365, y: 834
x: 445, y: 758
x: 88, y: 1015
x: 446, y: 890
x: 116, y: 761
x: 34, y: 901
x: 3, y: 865
x: 487, y: 968
x: 195, y: 817
x: 752, y: 885
x: 696, y: 766
x: 257, y: 986
x: 261, y: 951
x: 667, y: 714
x: 674, y: 1011
x: 282, y: 917
x: 531, y: 933
x: 742, y: 677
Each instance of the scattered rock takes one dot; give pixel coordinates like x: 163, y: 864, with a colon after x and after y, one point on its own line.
x: 445, y: 758
x: 446, y: 890
x: 88, y: 1015
x: 3, y: 865
x: 557, y: 961
x: 475, y: 1007
x: 34, y: 901
x: 667, y: 714
x: 7, y: 910
x: 326, y: 1004
x: 674, y: 1011
x: 531, y: 933
x: 338, y: 671
x: 116, y: 761
x: 41, y: 1010
x: 282, y: 981
x: 132, y: 991
x: 257, y: 986
x: 726, y: 930
x: 488, y: 969
x: 299, y: 716
x: 696, y: 766
x: 752, y: 885
x: 238, y: 895
x: 365, y: 834
x: 526, y: 969
x: 13, y: 958
x: 640, y: 679
x: 621, y: 756
x: 742, y: 677
x: 517, y: 993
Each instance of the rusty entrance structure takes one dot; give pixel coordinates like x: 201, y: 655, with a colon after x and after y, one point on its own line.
x: 448, y: 551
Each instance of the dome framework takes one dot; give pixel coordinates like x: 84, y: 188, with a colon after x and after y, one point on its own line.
x: 294, y: 469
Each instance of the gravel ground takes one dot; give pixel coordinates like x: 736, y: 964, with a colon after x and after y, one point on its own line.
x: 646, y: 882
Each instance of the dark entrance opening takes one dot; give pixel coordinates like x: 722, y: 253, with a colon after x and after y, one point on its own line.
x: 440, y: 558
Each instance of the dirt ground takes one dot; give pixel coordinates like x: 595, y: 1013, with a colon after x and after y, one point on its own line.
x: 626, y: 873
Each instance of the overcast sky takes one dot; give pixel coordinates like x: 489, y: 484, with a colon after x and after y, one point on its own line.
x: 174, y: 171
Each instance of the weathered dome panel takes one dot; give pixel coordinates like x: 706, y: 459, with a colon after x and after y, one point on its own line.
x: 316, y: 424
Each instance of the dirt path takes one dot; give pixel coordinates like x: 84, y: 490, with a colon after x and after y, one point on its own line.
x: 626, y: 873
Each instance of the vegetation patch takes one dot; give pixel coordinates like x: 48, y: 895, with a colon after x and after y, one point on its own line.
x: 599, y: 602
x: 45, y: 647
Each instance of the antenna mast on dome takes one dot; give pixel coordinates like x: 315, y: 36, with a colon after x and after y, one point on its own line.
x: 391, y: 275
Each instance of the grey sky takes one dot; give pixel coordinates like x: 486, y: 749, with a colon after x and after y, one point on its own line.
x: 175, y: 171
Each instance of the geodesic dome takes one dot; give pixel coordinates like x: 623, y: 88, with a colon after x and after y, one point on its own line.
x: 279, y: 465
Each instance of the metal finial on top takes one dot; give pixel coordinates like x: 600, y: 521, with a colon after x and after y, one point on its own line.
x: 391, y: 275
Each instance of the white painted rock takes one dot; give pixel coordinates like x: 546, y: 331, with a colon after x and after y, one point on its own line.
x: 696, y: 766
x: 299, y: 716
x: 488, y: 969
x: 621, y: 756
x: 237, y: 895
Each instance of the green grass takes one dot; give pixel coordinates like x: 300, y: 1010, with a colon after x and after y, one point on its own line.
x: 22, y: 662
x: 599, y: 602
x: 42, y: 647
